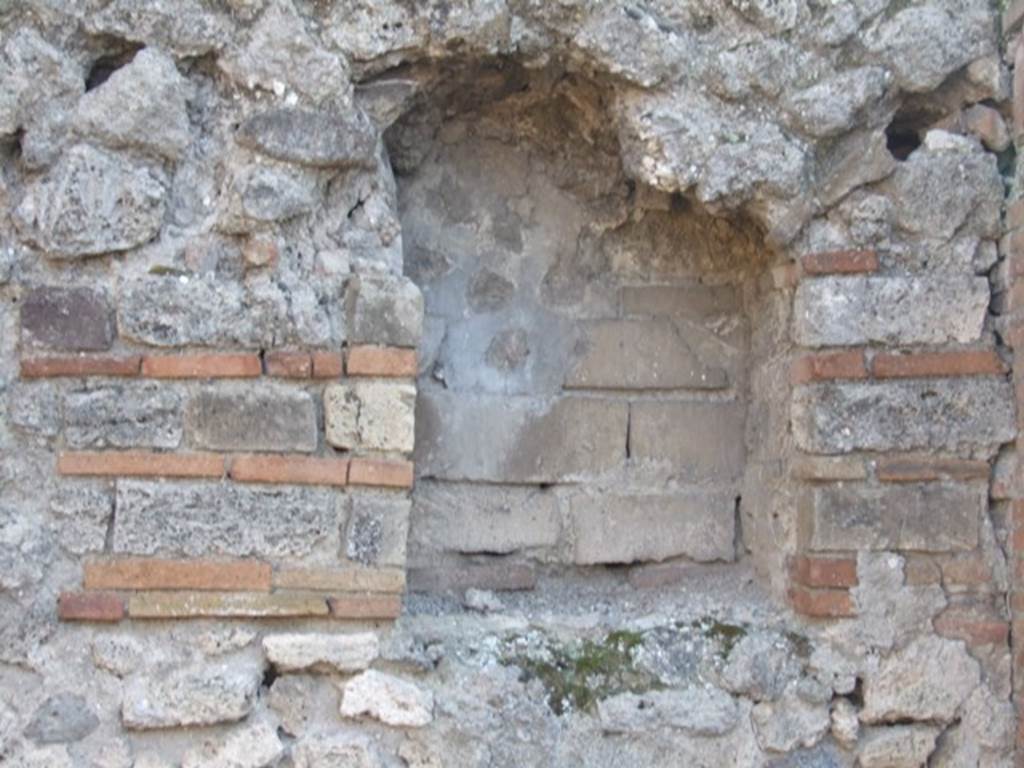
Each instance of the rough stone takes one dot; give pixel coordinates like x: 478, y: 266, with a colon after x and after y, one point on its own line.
x: 264, y: 194
x: 370, y: 415
x: 927, y: 680
x: 34, y: 407
x: 254, y: 746
x: 318, y: 138
x: 950, y: 414
x: 214, y: 519
x: 843, y: 311
x: 253, y: 418
x: 928, y: 517
x: 384, y: 310
x: 349, y: 750
x: 199, y: 696
x: 390, y: 699
x: 123, y: 416
x: 617, y: 528
x: 62, y: 718
x: 790, y: 722
x: 83, y: 514
x: 35, y: 78
x: 321, y: 652
x: 639, y: 354
x: 378, y: 528
x: 471, y: 519
x: 831, y: 107
x: 845, y: 725
x: 525, y: 440
x: 77, y: 319
x: 701, y: 711
x: 140, y: 106
x: 698, y: 441
x: 761, y: 665
x: 92, y: 202
x: 904, y: 746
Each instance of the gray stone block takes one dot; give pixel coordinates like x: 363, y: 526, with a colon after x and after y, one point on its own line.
x: 253, y: 418
x: 473, y: 519
x: 78, y: 319
x: 311, y: 137
x: 699, y: 440
x: 633, y: 528
x: 948, y: 414
x: 693, y: 301
x: 842, y: 311
x: 123, y: 416
x: 198, y: 696
x: 378, y: 528
x: 383, y: 309
x: 200, y: 519
x: 642, y: 354
x: 929, y: 517
x: 93, y: 202
x: 62, y: 718
x: 517, y: 439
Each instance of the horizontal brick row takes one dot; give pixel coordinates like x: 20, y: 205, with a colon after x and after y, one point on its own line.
x: 247, y: 468
x: 362, y: 360
x: 856, y: 364
x: 830, y: 572
x: 821, y: 603
x: 895, y: 468
x: 843, y: 262
x: 113, y: 607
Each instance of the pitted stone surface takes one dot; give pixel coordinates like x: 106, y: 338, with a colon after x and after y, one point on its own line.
x: 253, y: 418
x: 254, y: 746
x: 322, y: 652
x: 62, y: 718
x: 390, y: 699
x: 76, y: 319
x: 700, y: 711
x: 123, y: 416
x: 200, y: 696
x: 310, y: 137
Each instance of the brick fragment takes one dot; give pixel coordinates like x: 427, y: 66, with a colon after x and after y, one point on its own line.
x: 973, y: 627
x: 381, y: 473
x: 849, y: 262
x: 186, y: 605
x: 289, y: 365
x: 327, y: 365
x: 202, y: 366
x: 829, y: 365
x: 971, y: 571
x: 921, y: 570
x: 495, y: 577
x: 285, y: 469
x: 822, y: 603
x: 828, y: 468
x: 823, y: 571
x: 90, y: 606
x: 914, y: 469
x: 370, y: 360
x: 982, y: 362
x: 150, y: 573
x: 354, y: 579
x: 365, y: 606
x: 101, y: 365
x: 139, y: 464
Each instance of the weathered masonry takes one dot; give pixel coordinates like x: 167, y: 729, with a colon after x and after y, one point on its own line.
x: 499, y: 382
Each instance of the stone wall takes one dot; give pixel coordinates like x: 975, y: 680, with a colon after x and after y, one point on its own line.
x: 509, y: 383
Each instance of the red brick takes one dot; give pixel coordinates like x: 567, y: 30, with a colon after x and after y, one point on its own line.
x: 289, y: 365
x: 840, y: 263
x: 970, y: 571
x: 821, y: 603
x: 139, y: 464
x: 280, y: 468
x: 983, y: 362
x: 973, y: 628
x: 365, y: 606
x: 382, y: 473
x: 327, y: 365
x: 920, y: 570
x: 394, y: 362
x: 103, y: 365
x: 147, y: 573
x: 914, y: 469
x: 829, y: 365
x: 90, y: 606
x: 202, y: 366
x: 823, y: 571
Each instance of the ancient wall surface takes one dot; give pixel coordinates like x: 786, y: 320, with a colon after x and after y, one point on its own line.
x: 501, y: 382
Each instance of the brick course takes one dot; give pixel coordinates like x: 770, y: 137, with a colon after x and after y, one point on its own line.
x: 822, y: 603
x: 302, y: 470
x: 147, y: 573
x: 368, y: 360
x: 93, y: 365
x: 840, y: 263
x: 829, y: 365
x: 383, y: 473
x: 937, y: 364
x: 140, y: 464
x: 201, y: 366
x: 90, y: 606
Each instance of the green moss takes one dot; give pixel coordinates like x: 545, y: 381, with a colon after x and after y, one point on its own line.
x: 160, y: 269
x: 577, y: 676
x: 726, y: 635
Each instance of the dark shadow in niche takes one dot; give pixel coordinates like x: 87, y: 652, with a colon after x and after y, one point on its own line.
x: 585, y: 368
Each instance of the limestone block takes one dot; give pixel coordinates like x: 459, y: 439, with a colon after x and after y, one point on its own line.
x: 390, y: 699
x: 936, y: 415
x: 350, y: 750
x: 370, y: 415
x: 615, y: 528
x: 902, y: 746
x: 195, y: 696
x: 517, y: 439
x: 123, y: 416
x: 842, y: 311
x: 928, y: 517
x: 253, y: 417
x: 254, y: 746
x: 698, y: 440
x: 322, y: 652
x: 224, y: 519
